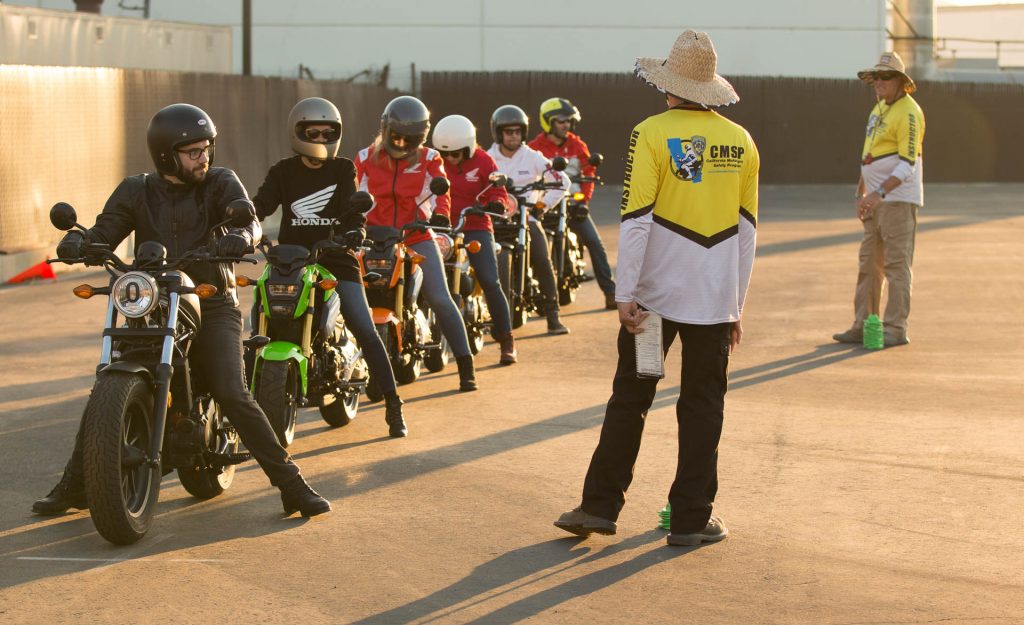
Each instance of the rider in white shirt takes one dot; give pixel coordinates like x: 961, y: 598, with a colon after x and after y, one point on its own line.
x: 523, y: 165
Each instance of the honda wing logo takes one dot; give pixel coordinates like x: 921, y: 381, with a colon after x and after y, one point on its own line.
x: 471, y: 175
x: 306, y: 210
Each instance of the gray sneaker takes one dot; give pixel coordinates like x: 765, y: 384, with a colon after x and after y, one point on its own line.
x: 713, y: 532
x: 850, y: 336
x: 893, y: 341
x: 578, y: 522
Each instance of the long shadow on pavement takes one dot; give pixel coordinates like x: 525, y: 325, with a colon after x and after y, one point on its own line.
x: 521, y: 568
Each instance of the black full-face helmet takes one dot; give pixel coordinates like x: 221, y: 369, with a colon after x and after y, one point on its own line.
x: 408, y: 117
x: 509, y: 115
x: 310, y: 112
x: 174, y: 126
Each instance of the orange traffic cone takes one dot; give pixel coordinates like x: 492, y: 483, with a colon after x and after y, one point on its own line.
x: 42, y: 271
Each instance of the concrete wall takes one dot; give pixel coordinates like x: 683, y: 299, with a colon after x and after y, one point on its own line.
x: 339, y: 38
x: 31, y: 36
x: 991, y: 21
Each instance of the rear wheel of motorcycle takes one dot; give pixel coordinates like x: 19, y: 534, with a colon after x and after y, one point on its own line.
x: 277, y: 392
x: 209, y: 482
x: 122, y: 490
x: 436, y: 359
x: 408, y: 372
x: 339, y: 409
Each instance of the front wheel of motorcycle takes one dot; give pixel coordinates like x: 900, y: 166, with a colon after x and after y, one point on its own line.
x: 339, y: 409
x: 122, y: 489
x: 277, y: 392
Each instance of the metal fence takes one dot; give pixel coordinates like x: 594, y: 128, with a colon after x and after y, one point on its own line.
x: 72, y: 133
x: 807, y: 130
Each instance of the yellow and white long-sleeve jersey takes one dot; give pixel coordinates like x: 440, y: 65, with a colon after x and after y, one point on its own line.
x: 689, y: 217
x: 892, y: 147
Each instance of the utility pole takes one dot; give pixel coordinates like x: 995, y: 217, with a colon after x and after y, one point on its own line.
x: 247, y: 37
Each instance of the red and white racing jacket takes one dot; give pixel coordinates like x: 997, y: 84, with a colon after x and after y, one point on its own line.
x: 399, y: 186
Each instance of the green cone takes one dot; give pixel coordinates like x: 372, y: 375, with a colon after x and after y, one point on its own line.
x: 665, y: 516
x: 874, y: 335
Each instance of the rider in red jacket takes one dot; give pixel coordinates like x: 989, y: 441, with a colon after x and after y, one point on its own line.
x: 558, y: 118
x: 469, y: 169
x: 397, y: 170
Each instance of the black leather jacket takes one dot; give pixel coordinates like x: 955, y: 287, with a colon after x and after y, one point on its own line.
x: 180, y: 217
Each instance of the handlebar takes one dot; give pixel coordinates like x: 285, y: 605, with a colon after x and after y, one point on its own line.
x: 101, y: 254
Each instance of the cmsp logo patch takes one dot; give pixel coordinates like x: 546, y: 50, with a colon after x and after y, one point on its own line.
x: 688, y: 157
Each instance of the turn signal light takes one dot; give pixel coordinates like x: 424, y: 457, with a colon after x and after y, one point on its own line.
x: 578, y: 197
x: 473, y: 247
x: 416, y: 258
x: 541, y: 205
x: 84, y: 291
x: 327, y: 285
x: 205, y: 290
x: 243, y: 281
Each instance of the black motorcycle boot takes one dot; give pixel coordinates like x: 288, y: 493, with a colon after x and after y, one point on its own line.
x: 508, y: 348
x: 554, y: 325
x: 297, y: 495
x: 68, y: 493
x: 393, y: 416
x: 467, y: 375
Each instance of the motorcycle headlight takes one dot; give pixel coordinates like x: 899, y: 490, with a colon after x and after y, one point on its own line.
x: 444, y: 242
x: 278, y: 290
x: 135, y: 294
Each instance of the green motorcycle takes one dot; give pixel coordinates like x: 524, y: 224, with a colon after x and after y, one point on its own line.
x: 308, y: 357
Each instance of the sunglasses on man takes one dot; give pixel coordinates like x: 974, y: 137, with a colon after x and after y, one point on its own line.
x: 885, y: 75
x: 449, y: 153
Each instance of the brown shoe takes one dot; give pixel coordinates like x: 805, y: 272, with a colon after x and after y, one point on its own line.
x: 578, y: 522
x: 850, y: 336
x: 508, y: 349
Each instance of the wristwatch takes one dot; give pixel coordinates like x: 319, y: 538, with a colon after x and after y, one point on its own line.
x: 880, y: 191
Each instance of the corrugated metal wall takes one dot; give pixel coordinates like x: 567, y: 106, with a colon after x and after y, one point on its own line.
x: 71, y: 134
x: 808, y: 130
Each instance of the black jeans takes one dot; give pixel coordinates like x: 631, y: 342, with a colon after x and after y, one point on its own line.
x: 699, y: 412
x: 217, y: 357
x: 590, y: 239
x: 543, y: 271
x: 356, y: 313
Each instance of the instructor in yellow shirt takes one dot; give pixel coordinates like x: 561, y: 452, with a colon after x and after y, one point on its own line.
x: 889, y: 194
x: 686, y: 251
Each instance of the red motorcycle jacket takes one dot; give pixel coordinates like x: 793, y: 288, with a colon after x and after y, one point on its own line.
x: 398, y: 186
x: 574, y: 150
x: 468, y: 179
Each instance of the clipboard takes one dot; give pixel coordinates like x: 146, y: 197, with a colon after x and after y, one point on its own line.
x: 650, y: 356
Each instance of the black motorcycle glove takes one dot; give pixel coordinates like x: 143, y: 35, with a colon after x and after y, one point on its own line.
x: 71, y: 245
x: 232, y: 245
x: 353, y: 239
x: 439, y: 220
x: 495, y: 207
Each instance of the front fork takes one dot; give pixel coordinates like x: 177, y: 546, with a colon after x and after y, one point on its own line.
x: 164, y: 371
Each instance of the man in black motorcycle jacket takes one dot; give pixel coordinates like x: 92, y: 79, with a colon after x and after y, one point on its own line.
x: 176, y: 206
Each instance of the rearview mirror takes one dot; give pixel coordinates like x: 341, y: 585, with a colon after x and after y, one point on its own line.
x: 497, y: 179
x: 559, y: 163
x: 360, y: 201
x: 240, y: 213
x: 439, y: 185
x: 63, y: 216
x: 596, y: 159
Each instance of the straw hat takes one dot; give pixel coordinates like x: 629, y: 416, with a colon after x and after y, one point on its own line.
x: 889, y: 62
x: 689, y: 72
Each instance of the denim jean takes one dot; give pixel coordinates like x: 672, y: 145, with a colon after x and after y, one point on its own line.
x: 435, y: 290
x: 485, y: 266
x: 590, y: 239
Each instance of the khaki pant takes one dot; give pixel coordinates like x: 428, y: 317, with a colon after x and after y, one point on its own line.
x: 886, y: 253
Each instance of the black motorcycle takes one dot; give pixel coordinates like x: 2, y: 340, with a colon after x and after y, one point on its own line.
x: 566, y: 250
x: 149, y: 413
x: 514, y: 272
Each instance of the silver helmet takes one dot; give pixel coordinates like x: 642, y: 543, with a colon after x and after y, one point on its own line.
x: 315, y: 112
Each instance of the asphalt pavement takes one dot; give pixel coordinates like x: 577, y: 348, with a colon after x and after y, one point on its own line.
x: 859, y: 486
